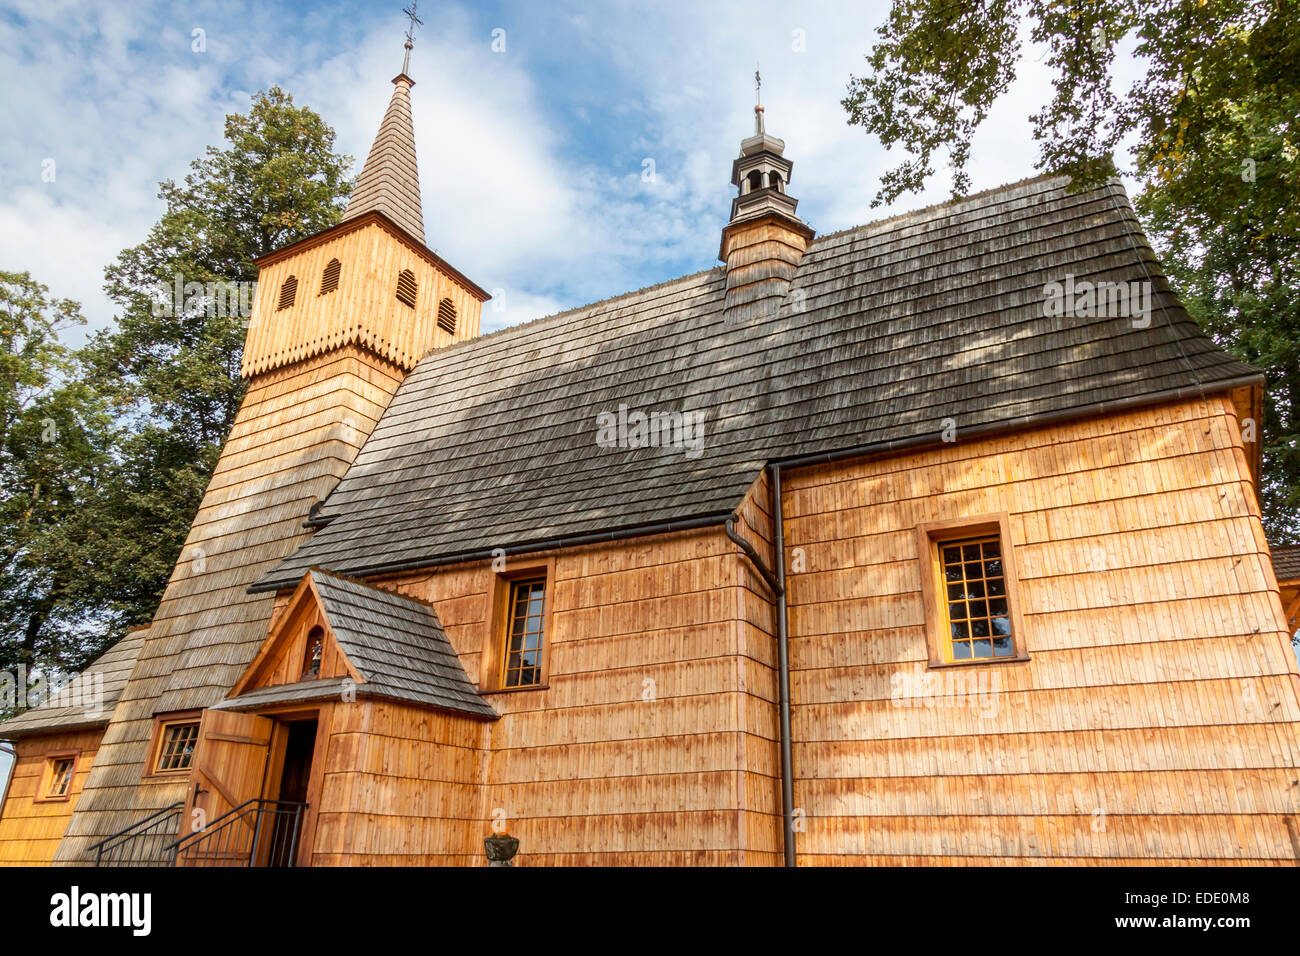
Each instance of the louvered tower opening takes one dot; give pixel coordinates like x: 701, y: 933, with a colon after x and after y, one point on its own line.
x: 288, y: 292
x: 447, y: 316
x: 406, y: 287
x: 329, y: 279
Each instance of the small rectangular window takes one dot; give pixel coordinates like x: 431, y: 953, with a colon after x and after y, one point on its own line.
x: 522, y: 660
x: 176, y: 747
x: 975, y: 599
x: 970, y: 592
x: 516, y: 647
x: 60, y: 784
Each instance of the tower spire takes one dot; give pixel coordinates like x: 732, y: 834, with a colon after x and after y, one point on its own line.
x: 761, y: 172
x: 390, y: 180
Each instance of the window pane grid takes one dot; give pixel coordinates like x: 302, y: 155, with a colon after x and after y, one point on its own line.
x: 61, y: 777
x: 178, y: 746
x: 975, y: 599
x: 523, y: 658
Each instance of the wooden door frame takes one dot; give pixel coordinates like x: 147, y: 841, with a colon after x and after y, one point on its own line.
x: 284, y: 715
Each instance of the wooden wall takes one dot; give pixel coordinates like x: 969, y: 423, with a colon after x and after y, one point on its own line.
x: 30, y: 828
x: 400, y: 787
x: 756, y: 666
x: 1158, y: 719
x: 654, y: 741
x: 363, y: 309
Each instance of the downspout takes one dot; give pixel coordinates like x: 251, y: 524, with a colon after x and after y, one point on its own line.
x: 783, y: 668
x: 752, y: 553
x: 776, y: 581
x: 7, y: 746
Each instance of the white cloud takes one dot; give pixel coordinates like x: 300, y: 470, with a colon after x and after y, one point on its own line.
x: 63, y: 245
x: 113, y: 122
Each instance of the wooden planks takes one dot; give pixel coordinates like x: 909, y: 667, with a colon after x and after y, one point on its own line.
x: 30, y: 826
x: 399, y: 787
x: 363, y: 309
x: 1157, y: 716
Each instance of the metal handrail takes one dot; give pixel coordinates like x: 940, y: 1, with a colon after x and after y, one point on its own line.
x: 220, y: 843
x: 134, y: 835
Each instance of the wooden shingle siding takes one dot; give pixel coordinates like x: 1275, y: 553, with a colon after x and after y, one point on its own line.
x: 90, y: 699
x: 655, y: 738
x: 1286, y: 562
x: 208, y: 628
x: 400, y: 788
x: 1158, y: 717
x: 30, y: 828
x: 390, y: 179
x: 390, y: 645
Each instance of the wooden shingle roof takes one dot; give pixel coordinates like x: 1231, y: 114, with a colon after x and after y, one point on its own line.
x: 397, y: 645
x: 890, y: 333
x: 1286, y: 562
x: 390, y: 180
x: 89, y: 700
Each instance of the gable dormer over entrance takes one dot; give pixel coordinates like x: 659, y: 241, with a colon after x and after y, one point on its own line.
x: 370, y: 279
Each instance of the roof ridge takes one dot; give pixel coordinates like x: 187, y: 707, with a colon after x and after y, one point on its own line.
x: 317, y: 569
x: 496, y: 333
x: 952, y: 202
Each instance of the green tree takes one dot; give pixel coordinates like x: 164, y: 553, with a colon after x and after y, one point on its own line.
x: 55, y: 437
x: 170, y: 366
x: 1214, y: 123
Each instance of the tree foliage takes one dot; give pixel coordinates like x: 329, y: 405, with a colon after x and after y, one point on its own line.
x: 54, y: 440
x: 1211, y: 128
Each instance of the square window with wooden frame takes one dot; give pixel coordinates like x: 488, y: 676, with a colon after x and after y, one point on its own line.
x: 517, y: 653
x: 174, y: 741
x: 59, y: 771
x: 971, y: 592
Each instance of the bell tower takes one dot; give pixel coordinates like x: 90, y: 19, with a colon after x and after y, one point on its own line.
x: 370, y: 280
x: 765, y: 239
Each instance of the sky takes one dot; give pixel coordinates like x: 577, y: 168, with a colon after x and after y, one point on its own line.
x: 535, y: 124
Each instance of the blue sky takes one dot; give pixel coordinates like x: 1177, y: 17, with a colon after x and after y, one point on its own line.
x: 531, y: 158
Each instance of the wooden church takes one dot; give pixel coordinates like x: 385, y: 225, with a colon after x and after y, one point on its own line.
x: 849, y: 550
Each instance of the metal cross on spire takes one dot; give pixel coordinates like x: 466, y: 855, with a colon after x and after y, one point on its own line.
x: 758, y: 101
x: 410, y: 33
